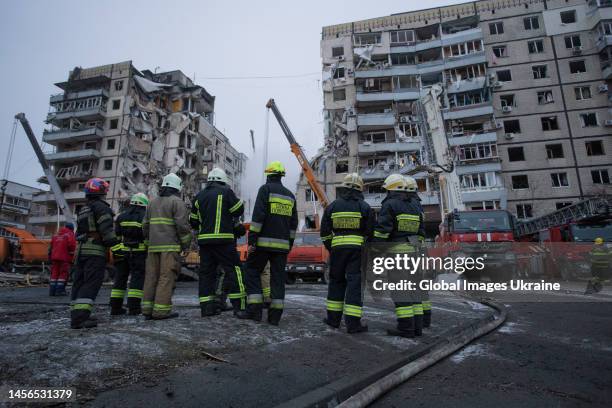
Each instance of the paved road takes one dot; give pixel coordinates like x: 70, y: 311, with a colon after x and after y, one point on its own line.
x: 546, y: 355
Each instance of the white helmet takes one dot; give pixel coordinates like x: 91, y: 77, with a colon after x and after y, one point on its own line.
x: 394, y: 182
x: 354, y: 181
x: 173, y: 181
x: 411, y: 184
x: 219, y: 175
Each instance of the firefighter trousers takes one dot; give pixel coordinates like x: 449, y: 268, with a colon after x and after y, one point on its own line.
x: 60, y: 270
x: 88, y: 278
x: 256, y: 263
x: 226, y: 257
x: 344, y: 290
x: 162, y: 269
x: 132, y: 266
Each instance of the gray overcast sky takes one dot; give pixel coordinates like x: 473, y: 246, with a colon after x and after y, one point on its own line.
x: 43, y: 40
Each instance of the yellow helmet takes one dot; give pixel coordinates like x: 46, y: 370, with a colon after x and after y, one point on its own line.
x: 411, y: 184
x: 275, y: 167
x: 354, y: 181
x: 599, y: 241
x: 394, y: 182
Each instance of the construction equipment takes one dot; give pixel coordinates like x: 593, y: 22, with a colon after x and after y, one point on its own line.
x: 299, y: 154
x: 62, y: 204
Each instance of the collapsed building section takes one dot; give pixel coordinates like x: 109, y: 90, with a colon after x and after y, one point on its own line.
x: 132, y: 127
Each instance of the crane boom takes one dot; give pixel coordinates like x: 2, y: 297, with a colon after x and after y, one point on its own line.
x: 299, y: 154
x: 62, y: 204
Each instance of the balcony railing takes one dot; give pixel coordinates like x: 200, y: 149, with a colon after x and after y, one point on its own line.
x: 73, y: 135
x: 69, y: 155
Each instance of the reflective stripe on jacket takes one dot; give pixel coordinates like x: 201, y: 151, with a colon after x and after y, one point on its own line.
x: 128, y: 227
x: 166, y: 225
x: 213, y: 214
x: 348, y: 221
x: 398, y: 219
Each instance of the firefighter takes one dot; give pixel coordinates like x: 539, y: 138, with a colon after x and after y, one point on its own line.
x: 95, y: 234
x: 347, y: 223
x: 213, y: 213
x: 166, y: 233
x: 132, y: 253
x: 413, y: 198
x: 401, y: 222
x: 62, y: 248
x: 271, y: 237
x: 600, y: 266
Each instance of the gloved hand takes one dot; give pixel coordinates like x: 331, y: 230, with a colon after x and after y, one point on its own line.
x: 239, y: 230
x: 251, y: 249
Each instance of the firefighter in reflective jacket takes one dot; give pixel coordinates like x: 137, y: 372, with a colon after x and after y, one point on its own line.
x: 133, y: 256
x: 166, y: 232
x: 213, y: 212
x: 600, y: 266
x: 399, y: 221
x: 347, y: 223
x: 95, y: 234
x: 271, y: 236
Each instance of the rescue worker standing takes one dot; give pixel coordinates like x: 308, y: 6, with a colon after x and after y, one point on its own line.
x: 212, y: 215
x: 271, y: 236
x: 95, y: 234
x: 398, y: 221
x: 166, y: 232
x: 413, y: 199
x: 63, y: 245
x: 128, y: 228
x: 347, y: 223
x: 600, y: 266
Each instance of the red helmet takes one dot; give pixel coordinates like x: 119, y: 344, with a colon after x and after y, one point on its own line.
x: 96, y: 186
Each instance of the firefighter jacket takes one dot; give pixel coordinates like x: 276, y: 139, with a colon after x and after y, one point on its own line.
x: 348, y: 221
x: 274, y: 219
x: 398, y: 219
x: 600, y: 257
x: 128, y: 227
x: 213, y: 214
x: 63, y: 245
x: 166, y: 224
x: 95, y: 230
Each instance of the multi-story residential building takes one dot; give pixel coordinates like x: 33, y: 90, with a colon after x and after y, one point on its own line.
x: 129, y: 127
x: 17, y: 206
x: 523, y: 103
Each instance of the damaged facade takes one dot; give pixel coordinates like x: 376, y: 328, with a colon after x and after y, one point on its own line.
x: 131, y: 128
x: 522, y: 103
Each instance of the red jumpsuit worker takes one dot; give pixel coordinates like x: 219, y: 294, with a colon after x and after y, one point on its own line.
x: 63, y: 245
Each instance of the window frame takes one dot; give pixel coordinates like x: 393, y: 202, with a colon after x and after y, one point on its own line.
x: 528, y: 23
x: 538, y: 44
x: 567, y: 13
x: 520, y: 175
x: 604, y: 180
x: 499, y: 28
x: 559, y: 178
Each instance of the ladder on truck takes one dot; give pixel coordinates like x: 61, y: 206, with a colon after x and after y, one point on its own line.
x: 582, y: 210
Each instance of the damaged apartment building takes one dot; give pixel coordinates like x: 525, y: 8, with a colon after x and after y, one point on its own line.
x: 131, y: 128
x: 509, y: 96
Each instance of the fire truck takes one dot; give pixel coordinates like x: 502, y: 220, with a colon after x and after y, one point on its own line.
x: 481, y: 233
x: 567, y: 235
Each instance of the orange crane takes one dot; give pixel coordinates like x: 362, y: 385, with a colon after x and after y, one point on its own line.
x: 301, y: 157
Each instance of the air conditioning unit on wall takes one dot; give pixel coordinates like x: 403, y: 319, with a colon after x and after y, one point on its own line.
x: 506, y: 109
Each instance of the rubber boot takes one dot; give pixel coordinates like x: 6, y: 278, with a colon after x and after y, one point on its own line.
x: 253, y: 312
x: 209, y: 309
x: 405, y: 328
x: 418, y: 325
x: 79, y: 319
x: 426, y: 319
x: 166, y: 316
x: 353, y: 325
x: 221, y: 304
x: 52, y: 288
x: 274, y: 316
x: 116, y: 306
x: 134, y: 308
x: 333, y: 319
x: 60, y: 289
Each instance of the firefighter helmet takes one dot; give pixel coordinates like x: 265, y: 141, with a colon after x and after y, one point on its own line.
x: 394, y: 182
x: 411, y: 184
x: 96, y: 186
x: 599, y: 241
x: 219, y: 175
x: 275, y: 167
x: 173, y: 181
x: 139, y: 199
x: 354, y: 181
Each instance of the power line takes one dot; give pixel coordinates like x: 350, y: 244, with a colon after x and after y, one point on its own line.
x: 265, y: 77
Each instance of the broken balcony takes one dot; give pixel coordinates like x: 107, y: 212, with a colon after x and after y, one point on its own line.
x: 84, y: 113
x: 67, y: 96
x: 373, y: 120
x: 53, y: 137
x: 73, y: 155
